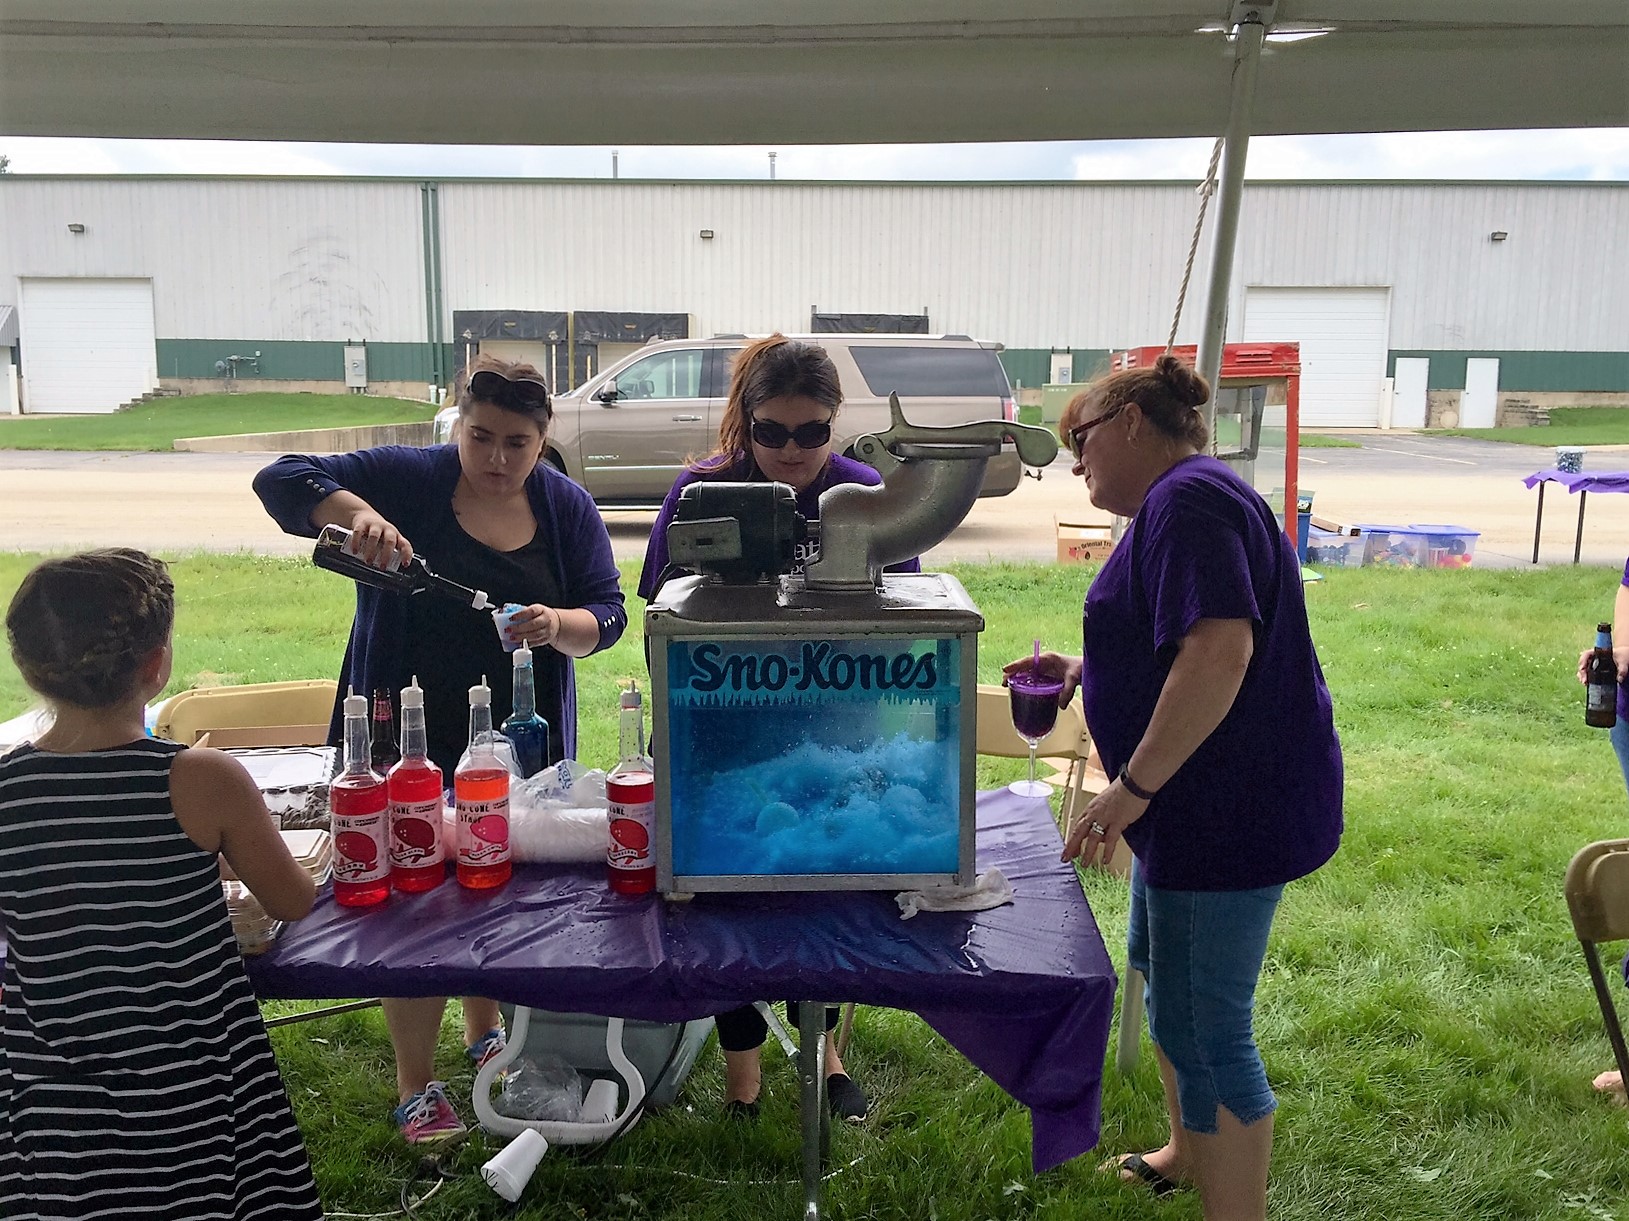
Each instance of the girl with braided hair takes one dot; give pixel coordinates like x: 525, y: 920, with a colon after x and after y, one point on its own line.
x: 136, y: 1078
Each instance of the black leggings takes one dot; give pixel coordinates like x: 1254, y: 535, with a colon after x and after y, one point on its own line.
x: 744, y: 1029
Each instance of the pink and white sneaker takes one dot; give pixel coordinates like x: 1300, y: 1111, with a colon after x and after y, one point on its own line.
x: 427, y: 1117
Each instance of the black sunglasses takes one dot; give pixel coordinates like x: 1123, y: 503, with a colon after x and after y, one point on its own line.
x: 517, y: 394
x: 772, y: 435
x: 1075, y: 438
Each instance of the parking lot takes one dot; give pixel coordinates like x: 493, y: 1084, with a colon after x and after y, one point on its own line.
x: 173, y: 502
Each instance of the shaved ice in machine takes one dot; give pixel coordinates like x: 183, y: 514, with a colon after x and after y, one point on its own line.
x: 814, y: 741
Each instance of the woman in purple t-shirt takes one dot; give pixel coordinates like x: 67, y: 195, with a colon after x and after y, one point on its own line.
x: 1205, y: 699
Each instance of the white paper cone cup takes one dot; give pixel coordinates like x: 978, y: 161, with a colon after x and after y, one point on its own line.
x: 600, y: 1103
x: 511, y: 1167
x: 500, y: 620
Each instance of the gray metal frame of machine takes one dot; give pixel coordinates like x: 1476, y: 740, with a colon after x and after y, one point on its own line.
x: 782, y: 609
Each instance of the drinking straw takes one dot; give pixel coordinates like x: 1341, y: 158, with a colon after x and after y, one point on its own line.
x: 1036, y: 664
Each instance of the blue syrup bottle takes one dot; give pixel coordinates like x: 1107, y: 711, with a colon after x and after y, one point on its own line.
x: 525, y: 729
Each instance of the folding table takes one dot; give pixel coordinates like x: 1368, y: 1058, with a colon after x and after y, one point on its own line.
x: 1582, y: 482
x: 1024, y: 991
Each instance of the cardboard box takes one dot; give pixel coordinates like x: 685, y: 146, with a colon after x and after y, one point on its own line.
x: 1084, y: 542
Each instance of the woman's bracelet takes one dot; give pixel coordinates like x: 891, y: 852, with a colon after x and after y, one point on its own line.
x: 1132, y: 787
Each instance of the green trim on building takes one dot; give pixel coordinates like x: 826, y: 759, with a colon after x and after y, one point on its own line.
x: 1033, y: 366
x: 1561, y: 372
x: 294, y: 360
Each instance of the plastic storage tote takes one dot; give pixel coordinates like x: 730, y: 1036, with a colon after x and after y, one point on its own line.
x: 1447, y: 546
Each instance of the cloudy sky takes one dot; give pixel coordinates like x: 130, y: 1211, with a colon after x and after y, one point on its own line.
x: 1600, y: 155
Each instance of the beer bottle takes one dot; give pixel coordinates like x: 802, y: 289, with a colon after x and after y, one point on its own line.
x: 1601, y: 682
x: 382, y: 751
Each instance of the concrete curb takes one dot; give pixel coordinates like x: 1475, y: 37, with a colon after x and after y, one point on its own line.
x: 312, y: 440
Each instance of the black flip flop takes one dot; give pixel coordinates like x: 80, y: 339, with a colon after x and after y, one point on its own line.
x: 846, y: 1100
x: 1142, y: 1173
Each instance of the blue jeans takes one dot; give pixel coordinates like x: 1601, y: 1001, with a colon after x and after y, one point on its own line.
x: 1620, y: 745
x: 1201, y: 952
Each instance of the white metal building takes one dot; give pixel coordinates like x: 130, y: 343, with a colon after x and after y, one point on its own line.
x: 1470, y: 293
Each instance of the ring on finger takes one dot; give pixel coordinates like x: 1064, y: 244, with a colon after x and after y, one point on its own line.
x: 1097, y: 828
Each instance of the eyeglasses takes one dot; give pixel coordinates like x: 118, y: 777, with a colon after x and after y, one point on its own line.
x: 1075, y: 438
x: 773, y: 435
x: 515, y: 393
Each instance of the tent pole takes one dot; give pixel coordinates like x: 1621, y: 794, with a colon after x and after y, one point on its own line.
x: 1248, y: 35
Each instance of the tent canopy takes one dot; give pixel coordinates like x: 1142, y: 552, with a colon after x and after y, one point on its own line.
x: 792, y: 71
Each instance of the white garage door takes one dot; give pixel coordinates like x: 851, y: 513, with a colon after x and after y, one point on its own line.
x: 87, y: 345
x: 1342, y: 333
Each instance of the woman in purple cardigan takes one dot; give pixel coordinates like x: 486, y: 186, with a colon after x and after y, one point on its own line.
x: 489, y: 515
x: 784, y: 394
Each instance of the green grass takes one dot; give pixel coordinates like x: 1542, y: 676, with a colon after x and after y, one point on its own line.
x: 1312, y: 440
x: 1424, y: 1011
x: 1568, y: 426
x: 156, y: 425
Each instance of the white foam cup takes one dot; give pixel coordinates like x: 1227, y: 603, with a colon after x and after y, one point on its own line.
x: 510, y: 1169
x: 600, y: 1103
x: 501, y: 619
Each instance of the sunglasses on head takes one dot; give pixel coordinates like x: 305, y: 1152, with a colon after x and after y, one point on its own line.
x: 517, y: 394
x: 772, y: 435
x: 1075, y: 438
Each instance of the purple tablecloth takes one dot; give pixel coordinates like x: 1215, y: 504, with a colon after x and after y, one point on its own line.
x: 1024, y: 991
x: 1582, y: 481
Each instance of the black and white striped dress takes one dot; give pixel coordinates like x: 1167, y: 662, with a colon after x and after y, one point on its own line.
x: 136, y: 1078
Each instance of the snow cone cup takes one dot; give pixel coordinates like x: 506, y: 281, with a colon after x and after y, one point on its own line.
x: 501, y: 618
x: 508, y: 1172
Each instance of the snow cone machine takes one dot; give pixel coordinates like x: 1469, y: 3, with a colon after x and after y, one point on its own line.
x: 816, y: 731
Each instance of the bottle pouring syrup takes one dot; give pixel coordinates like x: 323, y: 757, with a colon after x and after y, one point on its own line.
x: 335, y: 553
x: 418, y: 861
x: 481, y: 795
x: 360, y: 815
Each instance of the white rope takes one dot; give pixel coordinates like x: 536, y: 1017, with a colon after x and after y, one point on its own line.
x: 1206, y: 189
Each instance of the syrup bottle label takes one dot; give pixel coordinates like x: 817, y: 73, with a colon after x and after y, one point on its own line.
x: 415, y: 834
x: 483, y: 832
x: 632, y: 825
x: 360, y: 853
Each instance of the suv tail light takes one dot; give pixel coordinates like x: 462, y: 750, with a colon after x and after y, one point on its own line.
x: 1007, y: 411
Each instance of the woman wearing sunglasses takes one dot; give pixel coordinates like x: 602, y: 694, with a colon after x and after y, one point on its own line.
x: 784, y: 394
x: 487, y: 514
x: 1207, y: 703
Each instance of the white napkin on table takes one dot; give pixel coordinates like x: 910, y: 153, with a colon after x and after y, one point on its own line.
x: 989, y: 889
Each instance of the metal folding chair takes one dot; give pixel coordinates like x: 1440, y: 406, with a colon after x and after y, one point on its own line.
x: 253, y: 714
x: 1597, y: 888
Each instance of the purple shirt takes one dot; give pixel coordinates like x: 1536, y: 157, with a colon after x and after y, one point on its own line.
x: 1259, y: 802
x: 838, y: 470
x: 1623, y: 695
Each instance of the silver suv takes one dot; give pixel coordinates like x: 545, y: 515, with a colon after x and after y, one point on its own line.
x: 627, y: 432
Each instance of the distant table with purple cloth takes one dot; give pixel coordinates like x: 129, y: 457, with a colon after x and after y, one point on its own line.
x: 1024, y: 991
x: 1582, y: 482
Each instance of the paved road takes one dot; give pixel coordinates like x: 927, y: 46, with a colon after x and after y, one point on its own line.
x: 174, y: 502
